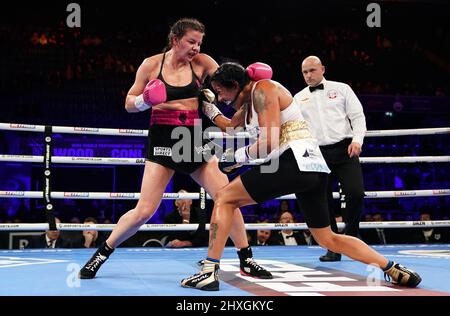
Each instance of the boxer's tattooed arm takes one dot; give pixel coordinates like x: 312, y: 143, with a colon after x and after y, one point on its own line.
x: 259, y: 101
x: 266, y: 104
x: 212, y: 234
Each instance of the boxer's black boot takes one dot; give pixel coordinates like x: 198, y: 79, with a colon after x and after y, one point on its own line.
x: 93, y: 265
x: 249, y: 267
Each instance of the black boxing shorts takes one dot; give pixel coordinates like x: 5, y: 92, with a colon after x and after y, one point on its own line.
x: 175, y: 140
x: 310, y: 188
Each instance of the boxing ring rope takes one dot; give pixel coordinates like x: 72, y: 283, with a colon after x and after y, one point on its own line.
x: 48, y: 130
x: 144, y: 133
x: 193, y: 227
x: 211, y: 135
x: 374, y: 133
x: 74, y: 130
x: 196, y: 196
x: 141, y: 161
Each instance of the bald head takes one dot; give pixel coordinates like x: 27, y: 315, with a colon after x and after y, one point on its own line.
x: 312, y: 60
x: 312, y: 70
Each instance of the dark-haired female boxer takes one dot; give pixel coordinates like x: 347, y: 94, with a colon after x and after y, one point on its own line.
x: 293, y: 164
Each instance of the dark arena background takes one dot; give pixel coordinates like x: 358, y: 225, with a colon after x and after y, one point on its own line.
x: 63, y: 89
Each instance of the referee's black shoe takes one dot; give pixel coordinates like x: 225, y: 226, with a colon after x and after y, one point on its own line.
x: 330, y: 256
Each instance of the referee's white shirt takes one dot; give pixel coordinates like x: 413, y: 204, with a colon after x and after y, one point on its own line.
x: 333, y: 114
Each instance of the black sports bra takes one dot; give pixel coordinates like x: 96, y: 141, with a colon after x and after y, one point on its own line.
x: 192, y: 90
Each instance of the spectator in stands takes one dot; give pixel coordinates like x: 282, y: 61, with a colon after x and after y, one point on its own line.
x: 51, y: 239
x: 284, y: 205
x: 430, y: 234
x: 186, y: 213
x: 289, y: 237
x: 374, y: 236
x: 262, y: 237
x: 91, y: 238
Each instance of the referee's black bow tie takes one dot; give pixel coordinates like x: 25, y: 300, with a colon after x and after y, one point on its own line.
x: 318, y: 87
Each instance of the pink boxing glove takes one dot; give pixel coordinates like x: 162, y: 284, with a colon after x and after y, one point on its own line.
x: 154, y: 93
x: 259, y: 71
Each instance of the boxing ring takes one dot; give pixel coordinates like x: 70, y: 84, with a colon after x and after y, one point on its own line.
x: 158, y: 271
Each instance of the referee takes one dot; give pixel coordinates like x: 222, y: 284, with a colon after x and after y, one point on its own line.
x: 336, y: 119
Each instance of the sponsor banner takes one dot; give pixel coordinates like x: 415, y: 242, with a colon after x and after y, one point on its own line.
x: 441, y: 192
x: 405, y: 193
x: 12, y: 193
x: 23, y: 126
x: 76, y: 194
x: 86, y: 129
x: 115, y: 195
x: 131, y: 131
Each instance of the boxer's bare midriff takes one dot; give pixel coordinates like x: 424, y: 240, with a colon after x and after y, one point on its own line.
x: 179, y: 105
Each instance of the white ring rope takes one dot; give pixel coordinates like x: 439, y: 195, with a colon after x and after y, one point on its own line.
x: 374, y: 133
x: 413, y: 159
x: 217, y: 135
x: 75, y: 160
x: 404, y: 132
x: 95, y: 195
x: 74, y: 130
x: 196, y: 196
x: 192, y: 227
x: 141, y: 161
